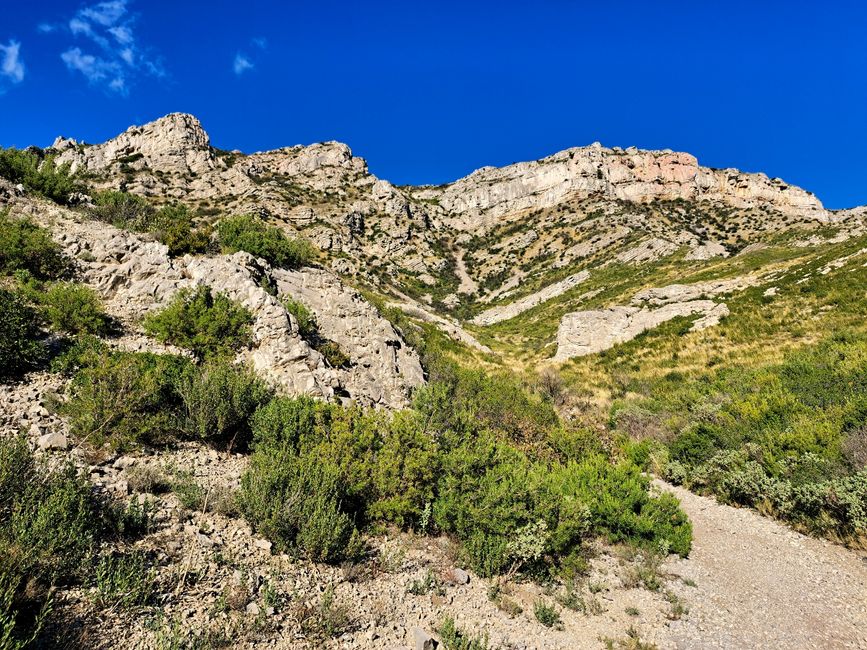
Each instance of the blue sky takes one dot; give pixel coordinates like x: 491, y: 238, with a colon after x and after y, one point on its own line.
x: 427, y: 92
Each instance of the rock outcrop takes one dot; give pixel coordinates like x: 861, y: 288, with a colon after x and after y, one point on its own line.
x: 383, y: 368
x: 135, y: 276
x: 505, y: 312
x: 587, y: 332
x: 633, y: 175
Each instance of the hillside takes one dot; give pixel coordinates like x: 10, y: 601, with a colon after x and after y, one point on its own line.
x: 281, y: 401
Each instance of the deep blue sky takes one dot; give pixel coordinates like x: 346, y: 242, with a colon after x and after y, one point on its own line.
x: 428, y: 92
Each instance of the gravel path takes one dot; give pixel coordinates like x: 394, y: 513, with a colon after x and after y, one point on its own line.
x: 759, y: 584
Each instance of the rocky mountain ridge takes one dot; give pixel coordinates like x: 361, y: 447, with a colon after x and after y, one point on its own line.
x: 485, y: 248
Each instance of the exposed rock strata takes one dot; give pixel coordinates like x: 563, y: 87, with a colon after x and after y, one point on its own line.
x: 505, y: 312
x: 587, y: 332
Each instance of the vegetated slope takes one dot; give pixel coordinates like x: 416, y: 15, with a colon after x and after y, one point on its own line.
x: 765, y: 408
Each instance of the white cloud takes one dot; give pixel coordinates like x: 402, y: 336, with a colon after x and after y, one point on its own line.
x: 11, y: 64
x: 114, y: 58
x: 242, y: 64
x: 261, y: 42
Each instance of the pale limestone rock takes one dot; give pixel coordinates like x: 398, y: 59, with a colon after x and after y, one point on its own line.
x: 587, y: 332
x: 685, y: 292
x: 505, y: 312
x: 634, y: 175
x: 647, y: 251
x: 703, y: 252
x: 383, y: 368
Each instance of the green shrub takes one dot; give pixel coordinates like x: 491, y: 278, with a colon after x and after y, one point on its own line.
x: 296, y: 502
x: 304, y: 317
x: 51, y: 522
x: 208, y: 324
x: 73, y: 309
x: 123, y: 210
x: 20, y: 346
x: 546, y: 614
x: 38, y: 173
x: 250, y: 234
x: 124, y: 581
x: 126, y: 397
x: 454, y: 638
x: 218, y: 401
x: 24, y: 246
x: 173, y: 226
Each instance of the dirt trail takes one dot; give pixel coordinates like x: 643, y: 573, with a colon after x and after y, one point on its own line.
x: 759, y: 584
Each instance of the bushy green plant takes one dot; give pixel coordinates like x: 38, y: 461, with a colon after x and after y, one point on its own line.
x: 775, y: 437
x: 73, y: 309
x: 218, y: 401
x: 50, y: 525
x: 546, y: 614
x: 20, y: 346
x: 173, y: 225
x: 123, y: 210
x: 39, y: 173
x: 25, y: 246
x: 126, y: 397
x: 208, y: 324
x: 454, y: 638
x: 251, y: 234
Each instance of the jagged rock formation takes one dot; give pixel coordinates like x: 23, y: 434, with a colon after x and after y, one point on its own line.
x: 381, y: 362
x: 629, y: 175
x: 586, y: 332
x: 455, y: 248
x: 135, y: 276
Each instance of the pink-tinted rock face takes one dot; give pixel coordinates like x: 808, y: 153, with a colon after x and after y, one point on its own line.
x: 631, y: 175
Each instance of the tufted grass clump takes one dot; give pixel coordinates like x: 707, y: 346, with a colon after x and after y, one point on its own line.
x: 206, y: 323
x: 249, y: 233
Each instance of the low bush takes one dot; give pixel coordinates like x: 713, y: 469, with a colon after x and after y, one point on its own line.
x: 318, y: 467
x: 218, y: 401
x: 25, y: 246
x: 125, y: 398
x: 208, y: 324
x: 250, y: 234
x: 173, y: 224
x: 20, y: 346
x: 454, y: 638
x: 123, y: 210
x: 39, y: 173
x: 778, y: 438
x: 50, y: 525
x: 73, y: 308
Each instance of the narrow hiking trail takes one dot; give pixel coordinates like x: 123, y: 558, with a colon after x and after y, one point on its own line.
x: 759, y: 584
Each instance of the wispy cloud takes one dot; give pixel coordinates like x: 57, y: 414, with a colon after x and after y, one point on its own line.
x: 242, y: 64
x: 111, y: 55
x: 11, y: 64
